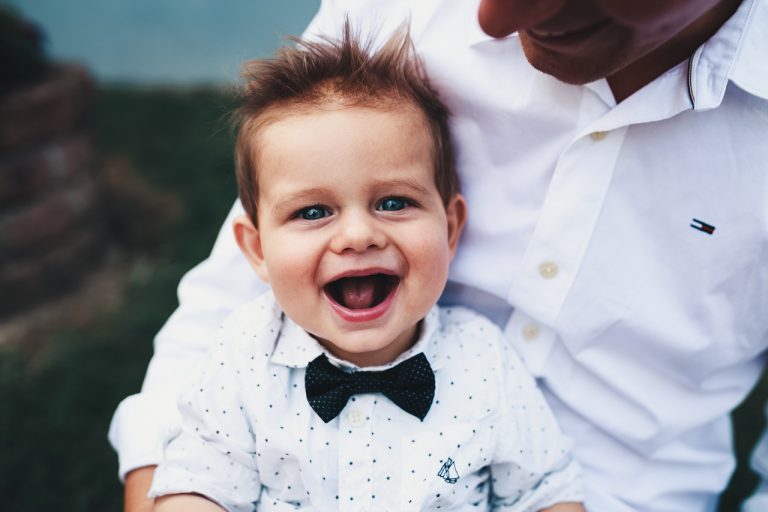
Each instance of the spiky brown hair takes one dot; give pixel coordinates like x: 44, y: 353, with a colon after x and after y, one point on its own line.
x: 347, y: 72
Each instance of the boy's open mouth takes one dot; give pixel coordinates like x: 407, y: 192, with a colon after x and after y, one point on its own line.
x: 361, y: 292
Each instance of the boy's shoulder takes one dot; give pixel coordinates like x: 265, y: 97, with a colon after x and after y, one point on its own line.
x: 454, y: 317
x: 467, y: 338
x: 252, y: 327
x: 464, y: 323
x: 256, y: 312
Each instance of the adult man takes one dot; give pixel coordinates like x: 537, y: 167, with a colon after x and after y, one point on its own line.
x: 617, y: 229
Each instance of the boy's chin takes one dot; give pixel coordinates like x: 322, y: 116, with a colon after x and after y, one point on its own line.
x: 360, y: 351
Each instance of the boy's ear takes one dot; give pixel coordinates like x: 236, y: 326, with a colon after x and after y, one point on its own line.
x: 456, y: 214
x: 249, y: 240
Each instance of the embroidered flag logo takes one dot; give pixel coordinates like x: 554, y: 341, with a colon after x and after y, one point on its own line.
x: 703, y: 226
x: 448, y: 472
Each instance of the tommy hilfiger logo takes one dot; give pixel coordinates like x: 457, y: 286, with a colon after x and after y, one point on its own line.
x: 448, y: 472
x: 703, y: 226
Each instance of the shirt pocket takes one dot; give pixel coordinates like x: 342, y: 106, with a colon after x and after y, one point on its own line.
x: 446, y: 467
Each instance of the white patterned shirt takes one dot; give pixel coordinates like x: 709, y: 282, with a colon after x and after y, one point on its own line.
x: 250, y: 439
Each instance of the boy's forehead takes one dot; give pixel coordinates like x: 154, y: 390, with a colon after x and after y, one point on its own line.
x: 323, y: 128
x: 326, y: 146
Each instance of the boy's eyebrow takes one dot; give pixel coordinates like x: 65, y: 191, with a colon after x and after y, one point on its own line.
x: 312, y: 194
x: 403, y: 183
x: 308, y: 194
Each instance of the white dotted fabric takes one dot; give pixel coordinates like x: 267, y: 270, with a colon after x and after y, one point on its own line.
x: 250, y: 440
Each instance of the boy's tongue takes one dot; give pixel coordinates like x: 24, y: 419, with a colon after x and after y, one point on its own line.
x: 358, y: 292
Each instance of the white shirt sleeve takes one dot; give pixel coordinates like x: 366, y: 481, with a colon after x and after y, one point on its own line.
x: 215, y: 452
x: 207, y: 294
x: 533, y: 454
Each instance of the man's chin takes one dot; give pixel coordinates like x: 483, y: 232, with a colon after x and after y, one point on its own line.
x: 568, y: 69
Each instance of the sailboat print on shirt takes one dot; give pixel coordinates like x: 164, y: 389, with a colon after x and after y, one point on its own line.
x: 448, y: 472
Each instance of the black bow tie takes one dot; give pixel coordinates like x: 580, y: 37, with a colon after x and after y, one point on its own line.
x: 410, y: 385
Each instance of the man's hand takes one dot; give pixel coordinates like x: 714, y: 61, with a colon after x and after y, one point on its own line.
x: 137, y: 483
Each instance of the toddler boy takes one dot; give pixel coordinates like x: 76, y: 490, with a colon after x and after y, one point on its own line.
x: 346, y: 388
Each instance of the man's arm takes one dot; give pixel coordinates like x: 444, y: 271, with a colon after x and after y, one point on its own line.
x: 142, y: 421
x: 207, y: 294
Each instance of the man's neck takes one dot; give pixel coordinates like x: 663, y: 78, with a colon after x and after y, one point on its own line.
x: 643, y: 71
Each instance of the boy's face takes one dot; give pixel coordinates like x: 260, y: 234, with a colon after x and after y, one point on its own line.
x: 352, y: 233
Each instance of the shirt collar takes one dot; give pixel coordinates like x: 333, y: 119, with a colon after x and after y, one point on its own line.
x: 295, y: 348
x: 700, y: 83
x: 735, y: 53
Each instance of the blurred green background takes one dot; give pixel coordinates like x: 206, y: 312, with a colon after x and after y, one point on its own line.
x: 157, y: 120
x: 57, y: 394
x: 163, y: 152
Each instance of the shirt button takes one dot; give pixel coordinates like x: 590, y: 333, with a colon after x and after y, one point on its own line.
x: 548, y: 269
x: 597, y: 136
x: 356, y: 418
x: 530, y: 332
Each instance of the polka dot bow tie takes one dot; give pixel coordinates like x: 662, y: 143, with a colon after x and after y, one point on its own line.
x: 410, y: 385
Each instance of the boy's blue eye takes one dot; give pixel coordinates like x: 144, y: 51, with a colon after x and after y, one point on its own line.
x: 393, y: 204
x: 313, y: 213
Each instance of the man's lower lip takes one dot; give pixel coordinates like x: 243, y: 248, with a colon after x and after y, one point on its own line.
x: 363, y: 315
x: 557, y: 39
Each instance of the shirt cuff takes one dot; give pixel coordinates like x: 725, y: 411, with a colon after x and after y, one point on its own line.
x: 140, y: 428
x: 193, y: 465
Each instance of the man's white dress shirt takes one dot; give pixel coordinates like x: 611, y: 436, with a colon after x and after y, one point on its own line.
x: 623, y: 248
x: 250, y: 436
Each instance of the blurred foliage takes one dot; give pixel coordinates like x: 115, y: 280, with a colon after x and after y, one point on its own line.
x: 22, y: 59
x: 55, y: 410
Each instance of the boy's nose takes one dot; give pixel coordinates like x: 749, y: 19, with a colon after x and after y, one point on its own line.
x: 358, y: 233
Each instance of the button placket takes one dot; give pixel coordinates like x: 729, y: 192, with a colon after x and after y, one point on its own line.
x: 356, y: 453
x: 532, y: 340
x: 566, y: 223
